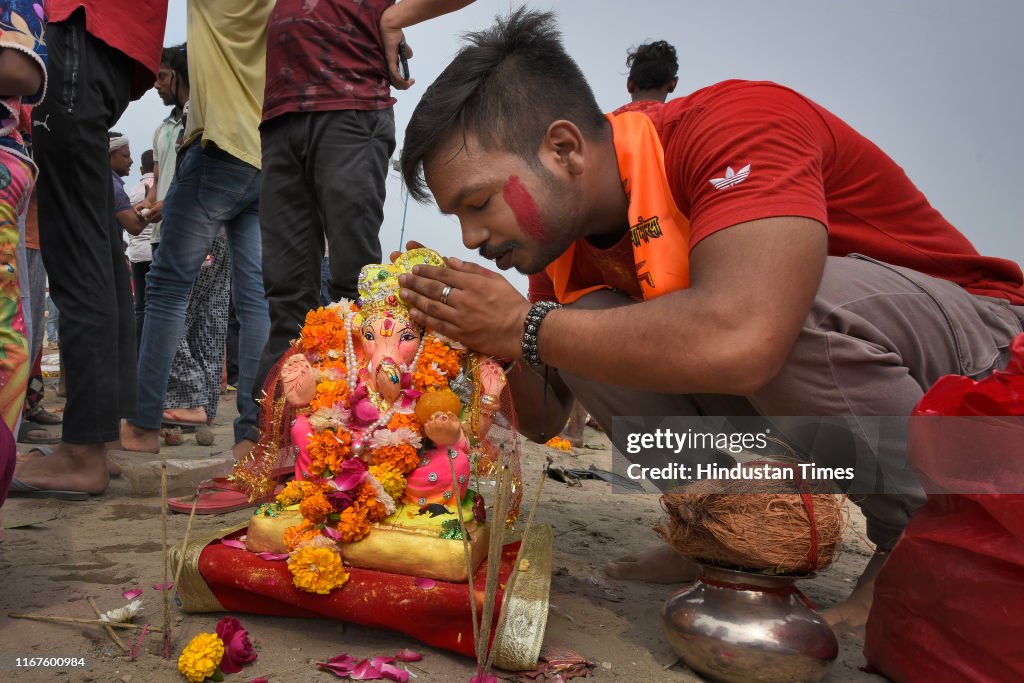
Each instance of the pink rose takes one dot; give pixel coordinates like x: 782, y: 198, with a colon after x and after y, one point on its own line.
x: 237, y: 648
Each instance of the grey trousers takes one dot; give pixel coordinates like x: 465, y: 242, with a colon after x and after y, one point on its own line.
x: 876, y: 338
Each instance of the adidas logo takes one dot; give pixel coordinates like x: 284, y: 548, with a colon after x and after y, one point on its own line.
x: 732, y: 178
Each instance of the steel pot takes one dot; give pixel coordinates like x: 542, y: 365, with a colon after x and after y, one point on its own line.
x: 741, y: 627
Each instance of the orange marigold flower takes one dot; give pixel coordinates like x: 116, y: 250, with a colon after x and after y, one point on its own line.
x: 291, y: 494
x: 558, y: 443
x: 329, y: 393
x: 317, y: 569
x: 324, y: 331
x: 299, y: 534
x: 402, y: 457
x: 353, y: 524
x: 327, y: 450
x: 316, y: 508
x: 399, y: 420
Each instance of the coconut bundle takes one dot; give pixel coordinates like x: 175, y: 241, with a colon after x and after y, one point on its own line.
x: 754, y: 525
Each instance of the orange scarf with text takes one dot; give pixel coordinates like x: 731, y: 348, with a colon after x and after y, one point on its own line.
x: 658, y: 231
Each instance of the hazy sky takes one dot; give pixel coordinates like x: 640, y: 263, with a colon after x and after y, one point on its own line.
x: 936, y: 84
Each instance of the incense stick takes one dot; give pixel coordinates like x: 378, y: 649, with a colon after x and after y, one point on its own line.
x: 76, y: 620
x: 494, y: 559
x: 166, y: 591
x: 110, y: 632
x: 466, y: 552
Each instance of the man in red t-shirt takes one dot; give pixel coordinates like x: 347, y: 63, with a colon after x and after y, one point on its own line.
x: 101, y: 56
x: 740, y: 251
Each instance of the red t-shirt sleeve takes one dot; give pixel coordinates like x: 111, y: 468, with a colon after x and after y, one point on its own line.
x: 541, y: 288
x: 768, y: 134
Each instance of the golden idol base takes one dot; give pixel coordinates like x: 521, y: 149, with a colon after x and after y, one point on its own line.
x: 405, y: 543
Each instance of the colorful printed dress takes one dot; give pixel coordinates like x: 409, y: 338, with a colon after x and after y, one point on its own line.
x: 22, y: 25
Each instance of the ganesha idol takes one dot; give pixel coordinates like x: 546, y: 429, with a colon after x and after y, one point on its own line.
x: 388, y: 423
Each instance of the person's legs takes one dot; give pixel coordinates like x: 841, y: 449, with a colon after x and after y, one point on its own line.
x: 194, y: 383
x: 876, y: 339
x: 349, y: 155
x: 292, y: 234
x: 253, y: 316
x: 139, y: 271
x: 87, y: 92
x: 15, y: 353
x: 209, y: 191
x: 52, y: 319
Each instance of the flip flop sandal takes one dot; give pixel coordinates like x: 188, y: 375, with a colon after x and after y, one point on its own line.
x: 173, y: 418
x: 43, y: 416
x: 23, y: 490
x: 25, y: 435
x: 218, y: 496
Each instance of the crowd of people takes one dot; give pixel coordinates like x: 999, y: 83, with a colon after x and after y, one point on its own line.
x: 795, y: 266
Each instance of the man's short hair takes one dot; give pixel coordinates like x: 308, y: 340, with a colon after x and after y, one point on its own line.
x: 147, y: 161
x: 175, y: 58
x: 652, y: 65
x: 505, y: 88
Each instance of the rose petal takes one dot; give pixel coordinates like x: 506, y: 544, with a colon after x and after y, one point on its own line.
x: 485, y: 678
x: 131, y: 593
x: 364, y: 671
x: 259, y: 680
x: 394, y: 673
x: 332, y: 533
x: 340, y: 666
x: 272, y: 557
x: 379, y: 662
x: 233, y: 543
x: 425, y: 584
x: 407, y: 655
x: 162, y: 586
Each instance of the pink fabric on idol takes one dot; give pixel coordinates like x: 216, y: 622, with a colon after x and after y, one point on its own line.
x: 301, y: 431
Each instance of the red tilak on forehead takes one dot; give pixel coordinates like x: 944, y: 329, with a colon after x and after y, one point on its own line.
x: 519, y: 200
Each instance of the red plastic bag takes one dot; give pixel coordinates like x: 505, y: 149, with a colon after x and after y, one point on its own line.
x: 949, y: 603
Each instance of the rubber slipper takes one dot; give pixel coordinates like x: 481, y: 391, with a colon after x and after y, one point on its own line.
x: 173, y: 418
x: 42, y: 416
x: 20, y: 488
x: 25, y: 436
x: 218, y: 496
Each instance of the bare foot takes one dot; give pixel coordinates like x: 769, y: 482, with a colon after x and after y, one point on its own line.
x: 35, y: 453
x: 849, y: 617
x: 134, y: 438
x: 657, y: 564
x: 242, y: 449
x: 70, y: 467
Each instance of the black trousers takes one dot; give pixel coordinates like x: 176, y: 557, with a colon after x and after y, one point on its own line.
x: 139, y: 270
x: 323, y: 176
x: 88, y: 91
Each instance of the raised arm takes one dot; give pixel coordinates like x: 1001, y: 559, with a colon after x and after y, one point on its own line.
x: 402, y: 15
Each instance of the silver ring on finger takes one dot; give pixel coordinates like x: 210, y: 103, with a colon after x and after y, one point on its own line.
x: 444, y: 294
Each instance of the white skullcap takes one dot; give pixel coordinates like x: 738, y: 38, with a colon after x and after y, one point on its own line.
x: 117, y: 143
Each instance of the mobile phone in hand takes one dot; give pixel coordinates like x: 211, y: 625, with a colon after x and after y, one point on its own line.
x: 403, y: 60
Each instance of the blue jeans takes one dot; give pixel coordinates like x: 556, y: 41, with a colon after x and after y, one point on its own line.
x: 211, y: 190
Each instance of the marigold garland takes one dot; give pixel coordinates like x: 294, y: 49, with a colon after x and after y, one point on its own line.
x: 201, y: 657
x: 353, y: 524
x: 439, y: 364
x: 317, y: 569
x: 329, y: 394
x: 324, y: 331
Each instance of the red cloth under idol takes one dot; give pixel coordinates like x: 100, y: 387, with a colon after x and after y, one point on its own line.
x: 439, y: 617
